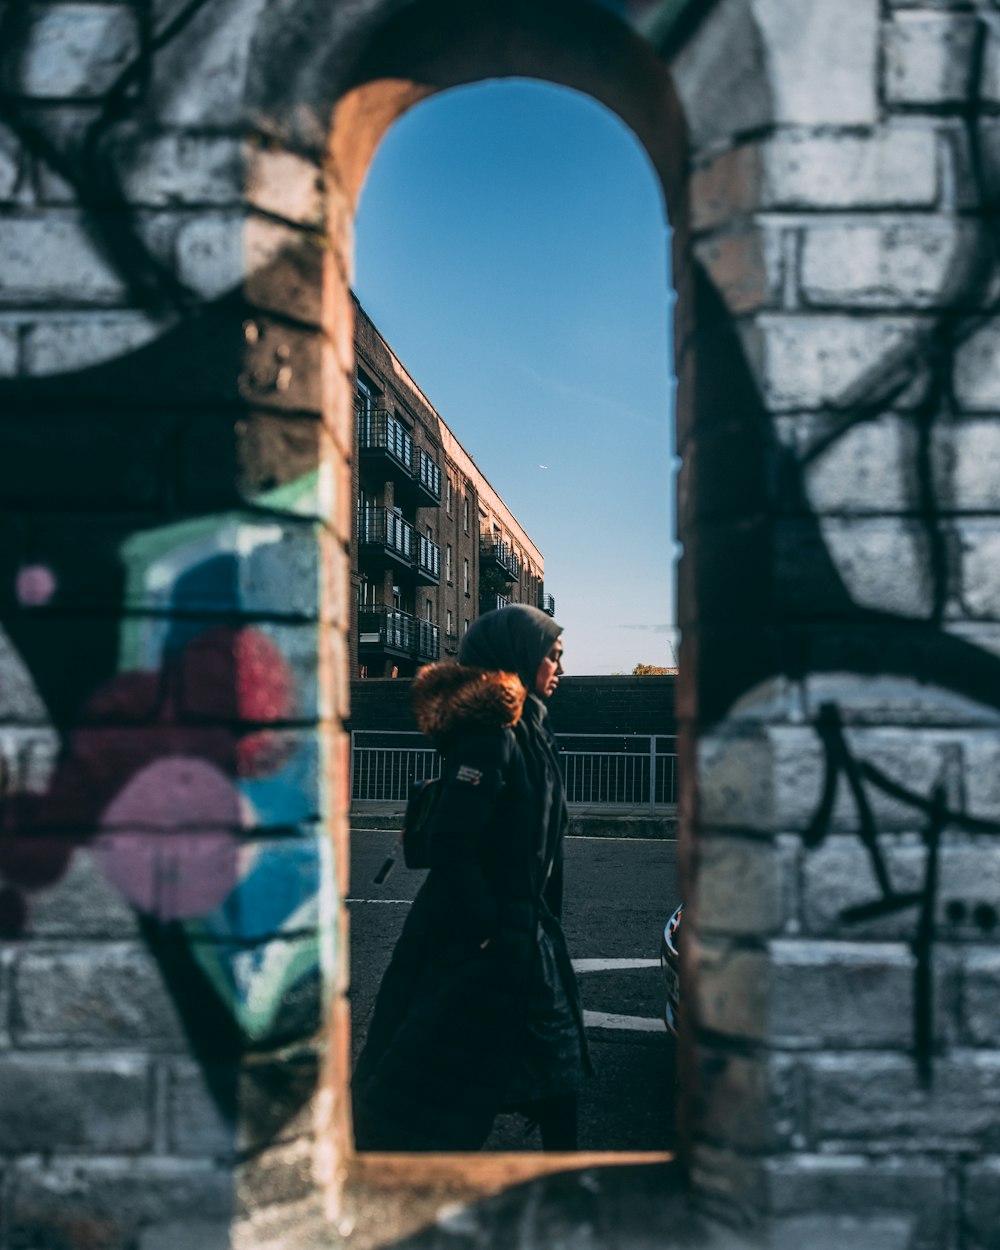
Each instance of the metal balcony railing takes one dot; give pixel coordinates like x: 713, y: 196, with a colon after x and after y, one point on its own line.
x: 428, y: 559
x: 389, y: 629
x: 548, y: 604
x: 505, y: 558
x: 427, y: 474
x: 378, y: 527
x: 378, y: 431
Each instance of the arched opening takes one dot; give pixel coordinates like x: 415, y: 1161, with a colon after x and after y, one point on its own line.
x: 512, y: 250
x: 423, y: 52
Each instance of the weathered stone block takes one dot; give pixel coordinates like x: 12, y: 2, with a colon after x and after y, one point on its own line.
x: 914, y: 1191
x: 967, y: 464
x: 843, y: 567
x: 981, y: 1203
x: 125, y: 1203
x: 81, y: 904
x: 896, y: 166
x: 284, y: 184
x: 10, y: 351
x: 743, y: 886
x: 978, y: 554
x: 178, y: 168
x: 862, y: 1098
x: 284, y: 270
x: 77, y: 50
x: 62, y: 1102
x: 807, y: 993
x: 100, y: 994
x: 868, y: 468
x: 230, y: 563
x: 903, y: 265
x: 928, y: 58
x: 980, y: 979
x: 819, y: 71
x: 199, y: 80
x: 747, y: 1104
x: 62, y: 343
x: 746, y: 267
x: 976, y: 377
x: 52, y: 260
x: 11, y: 165
x: 812, y: 361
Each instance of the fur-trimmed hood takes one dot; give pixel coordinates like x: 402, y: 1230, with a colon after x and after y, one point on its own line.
x: 449, y: 696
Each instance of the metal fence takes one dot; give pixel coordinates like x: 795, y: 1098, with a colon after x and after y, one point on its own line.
x: 607, y: 770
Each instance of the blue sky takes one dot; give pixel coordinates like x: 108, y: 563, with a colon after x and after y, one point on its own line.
x: 513, y: 249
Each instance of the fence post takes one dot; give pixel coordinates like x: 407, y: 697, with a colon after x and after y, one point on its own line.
x: 652, y: 774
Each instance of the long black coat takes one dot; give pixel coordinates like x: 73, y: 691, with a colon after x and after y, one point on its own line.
x: 460, y: 1029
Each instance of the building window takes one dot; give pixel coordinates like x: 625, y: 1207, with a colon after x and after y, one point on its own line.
x: 450, y: 627
x: 465, y: 576
x: 465, y: 626
x: 428, y: 610
x: 465, y: 513
x: 447, y: 564
x: 447, y: 496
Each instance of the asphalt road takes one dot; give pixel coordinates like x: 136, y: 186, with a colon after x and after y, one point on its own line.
x: 618, y: 894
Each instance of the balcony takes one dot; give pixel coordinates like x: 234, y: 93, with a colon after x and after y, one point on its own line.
x: 385, y: 535
x: 388, y: 631
x: 425, y: 486
x: 386, y: 539
x: 548, y: 604
x: 383, y: 443
x: 428, y: 561
x: 503, y: 557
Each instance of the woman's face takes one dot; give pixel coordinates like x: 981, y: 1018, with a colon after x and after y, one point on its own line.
x: 547, y: 677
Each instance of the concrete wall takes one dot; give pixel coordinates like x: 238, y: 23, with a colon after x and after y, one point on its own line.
x: 175, y: 371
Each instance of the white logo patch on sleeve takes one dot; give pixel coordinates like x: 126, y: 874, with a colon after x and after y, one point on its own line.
x: 472, y: 775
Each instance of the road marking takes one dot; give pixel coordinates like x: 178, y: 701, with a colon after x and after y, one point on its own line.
x: 612, y: 965
x: 392, y: 902
x: 635, y: 1024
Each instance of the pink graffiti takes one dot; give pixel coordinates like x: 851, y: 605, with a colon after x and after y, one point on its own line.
x: 35, y: 585
x: 167, y: 839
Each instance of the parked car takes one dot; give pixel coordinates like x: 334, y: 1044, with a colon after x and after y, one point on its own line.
x: 671, y: 966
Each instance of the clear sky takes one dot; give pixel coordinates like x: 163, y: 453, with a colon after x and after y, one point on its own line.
x: 512, y: 246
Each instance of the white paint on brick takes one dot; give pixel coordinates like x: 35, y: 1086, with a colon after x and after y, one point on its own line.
x: 869, y: 468
x: 9, y: 351
x: 967, y: 464
x: 905, y: 264
x: 821, y: 66
x: 976, y: 375
x: 894, y: 167
x: 52, y: 260
x: 805, y: 362
x: 884, y: 564
x: 285, y: 184
x: 76, y: 50
x: 979, y: 547
x: 62, y: 343
x: 928, y: 57
x: 163, y: 171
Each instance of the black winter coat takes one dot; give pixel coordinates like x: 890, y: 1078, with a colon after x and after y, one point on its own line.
x: 478, y: 1009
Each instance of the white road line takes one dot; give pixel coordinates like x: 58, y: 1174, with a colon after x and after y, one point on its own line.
x: 391, y: 902
x: 612, y: 965
x: 635, y: 1024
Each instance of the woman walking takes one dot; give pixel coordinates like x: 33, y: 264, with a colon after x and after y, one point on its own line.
x: 478, y: 1011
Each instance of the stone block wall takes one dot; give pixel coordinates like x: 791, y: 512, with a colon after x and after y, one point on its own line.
x: 843, y: 701
x: 175, y: 376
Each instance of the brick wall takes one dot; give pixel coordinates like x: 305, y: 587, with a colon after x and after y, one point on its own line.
x: 581, y: 705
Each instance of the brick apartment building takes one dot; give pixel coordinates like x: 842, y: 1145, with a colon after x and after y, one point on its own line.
x: 434, y: 544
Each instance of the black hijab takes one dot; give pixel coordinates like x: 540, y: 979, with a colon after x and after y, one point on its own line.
x: 511, y: 640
